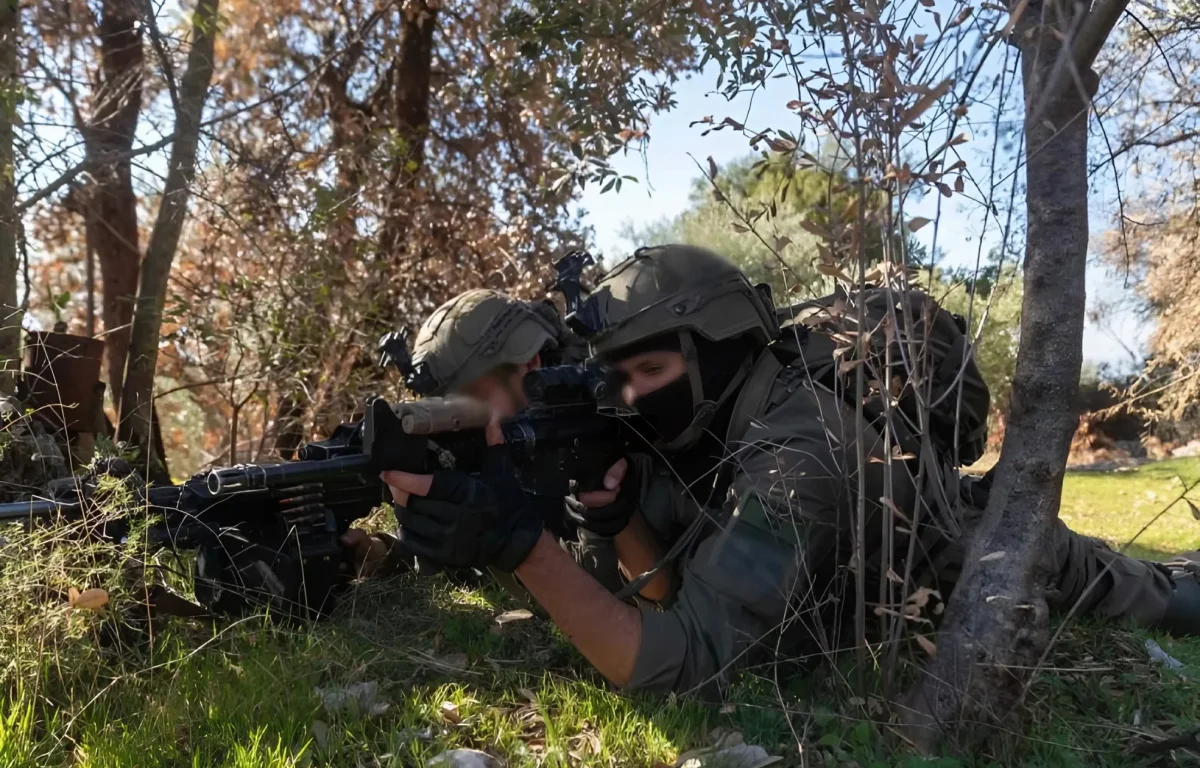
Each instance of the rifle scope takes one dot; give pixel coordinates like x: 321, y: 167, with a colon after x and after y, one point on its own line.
x: 562, y: 384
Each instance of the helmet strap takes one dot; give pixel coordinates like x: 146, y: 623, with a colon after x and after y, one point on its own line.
x: 703, y: 409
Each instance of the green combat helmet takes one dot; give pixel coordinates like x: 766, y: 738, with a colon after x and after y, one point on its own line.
x: 475, y: 332
x: 683, y: 289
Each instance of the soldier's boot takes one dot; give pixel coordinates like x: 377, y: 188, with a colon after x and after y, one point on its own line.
x: 1182, y: 615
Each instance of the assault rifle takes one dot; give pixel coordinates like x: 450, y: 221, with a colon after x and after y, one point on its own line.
x: 271, y: 534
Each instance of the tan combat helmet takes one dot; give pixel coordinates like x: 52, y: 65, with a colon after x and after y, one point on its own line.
x: 681, y: 289
x: 474, y: 333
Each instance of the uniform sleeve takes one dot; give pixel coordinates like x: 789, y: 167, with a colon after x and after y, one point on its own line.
x: 739, y: 583
x: 776, y: 553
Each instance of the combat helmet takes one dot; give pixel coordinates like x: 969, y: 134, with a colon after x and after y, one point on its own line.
x: 474, y: 333
x: 682, y: 289
x: 673, y: 288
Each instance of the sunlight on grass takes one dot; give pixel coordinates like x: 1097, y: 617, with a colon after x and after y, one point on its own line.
x: 1116, y: 505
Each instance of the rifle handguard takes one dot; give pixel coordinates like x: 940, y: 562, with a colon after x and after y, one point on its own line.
x: 438, y: 415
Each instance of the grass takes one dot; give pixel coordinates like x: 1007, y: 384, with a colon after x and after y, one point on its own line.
x: 1116, y: 505
x: 79, y: 691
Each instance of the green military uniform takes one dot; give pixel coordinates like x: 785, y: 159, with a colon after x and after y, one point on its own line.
x: 764, y: 566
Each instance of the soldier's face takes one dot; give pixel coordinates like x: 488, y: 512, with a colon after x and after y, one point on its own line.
x: 648, y: 372
x: 503, y: 389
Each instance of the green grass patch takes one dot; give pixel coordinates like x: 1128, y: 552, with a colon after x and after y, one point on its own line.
x: 1116, y: 505
x: 82, y: 689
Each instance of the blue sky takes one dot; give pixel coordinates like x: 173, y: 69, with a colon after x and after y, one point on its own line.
x: 668, y: 169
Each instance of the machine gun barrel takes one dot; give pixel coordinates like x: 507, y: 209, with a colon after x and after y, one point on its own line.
x: 255, y: 477
x: 29, y: 510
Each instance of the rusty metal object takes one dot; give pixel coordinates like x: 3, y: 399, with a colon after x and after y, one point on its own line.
x: 61, y: 372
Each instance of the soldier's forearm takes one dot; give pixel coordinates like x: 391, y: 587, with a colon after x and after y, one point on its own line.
x: 605, y: 630
x: 638, y: 553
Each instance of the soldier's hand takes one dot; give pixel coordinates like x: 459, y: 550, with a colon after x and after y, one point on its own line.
x: 366, y: 553
x: 612, y: 487
x: 606, y: 512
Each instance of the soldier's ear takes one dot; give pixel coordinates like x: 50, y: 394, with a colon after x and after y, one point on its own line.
x: 534, y: 363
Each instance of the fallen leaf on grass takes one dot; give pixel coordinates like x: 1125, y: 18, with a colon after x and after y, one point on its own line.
x: 463, y: 758
x: 737, y: 756
x: 585, y: 742
x: 1159, y: 656
x: 728, y: 751
x: 518, y: 615
x: 93, y: 599
x: 363, y: 696
x: 449, y: 712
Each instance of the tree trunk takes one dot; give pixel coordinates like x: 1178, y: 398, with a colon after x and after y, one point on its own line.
x: 996, y: 624
x: 112, y: 217
x: 10, y: 312
x: 410, y: 110
x: 136, y: 402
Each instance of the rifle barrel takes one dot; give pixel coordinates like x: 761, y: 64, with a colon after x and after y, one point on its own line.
x: 28, y: 510
x: 254, y: 477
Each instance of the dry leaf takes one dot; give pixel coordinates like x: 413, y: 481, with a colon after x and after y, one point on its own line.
x: 919, y: 40
x: 927, y: 645
x: 893, y: 576
x: 1194, y: 508
x: 363, y: 697
x: 93, y: 599
x: 920, y: 598
x: 961, y: 17
x: 959, y: 185
x: 780, y: 144
x: 518, y: 615
x: 915, y: 223
x: 993, y: 557
x: 449, y: 712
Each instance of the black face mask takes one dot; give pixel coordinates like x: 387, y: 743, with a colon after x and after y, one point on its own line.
x: 669, y: 410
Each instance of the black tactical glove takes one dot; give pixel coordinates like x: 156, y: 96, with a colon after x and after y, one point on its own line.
x: 611, y: 519
x: 466, y: 521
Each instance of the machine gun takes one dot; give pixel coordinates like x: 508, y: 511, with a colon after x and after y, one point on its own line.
x: 270, y: 534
